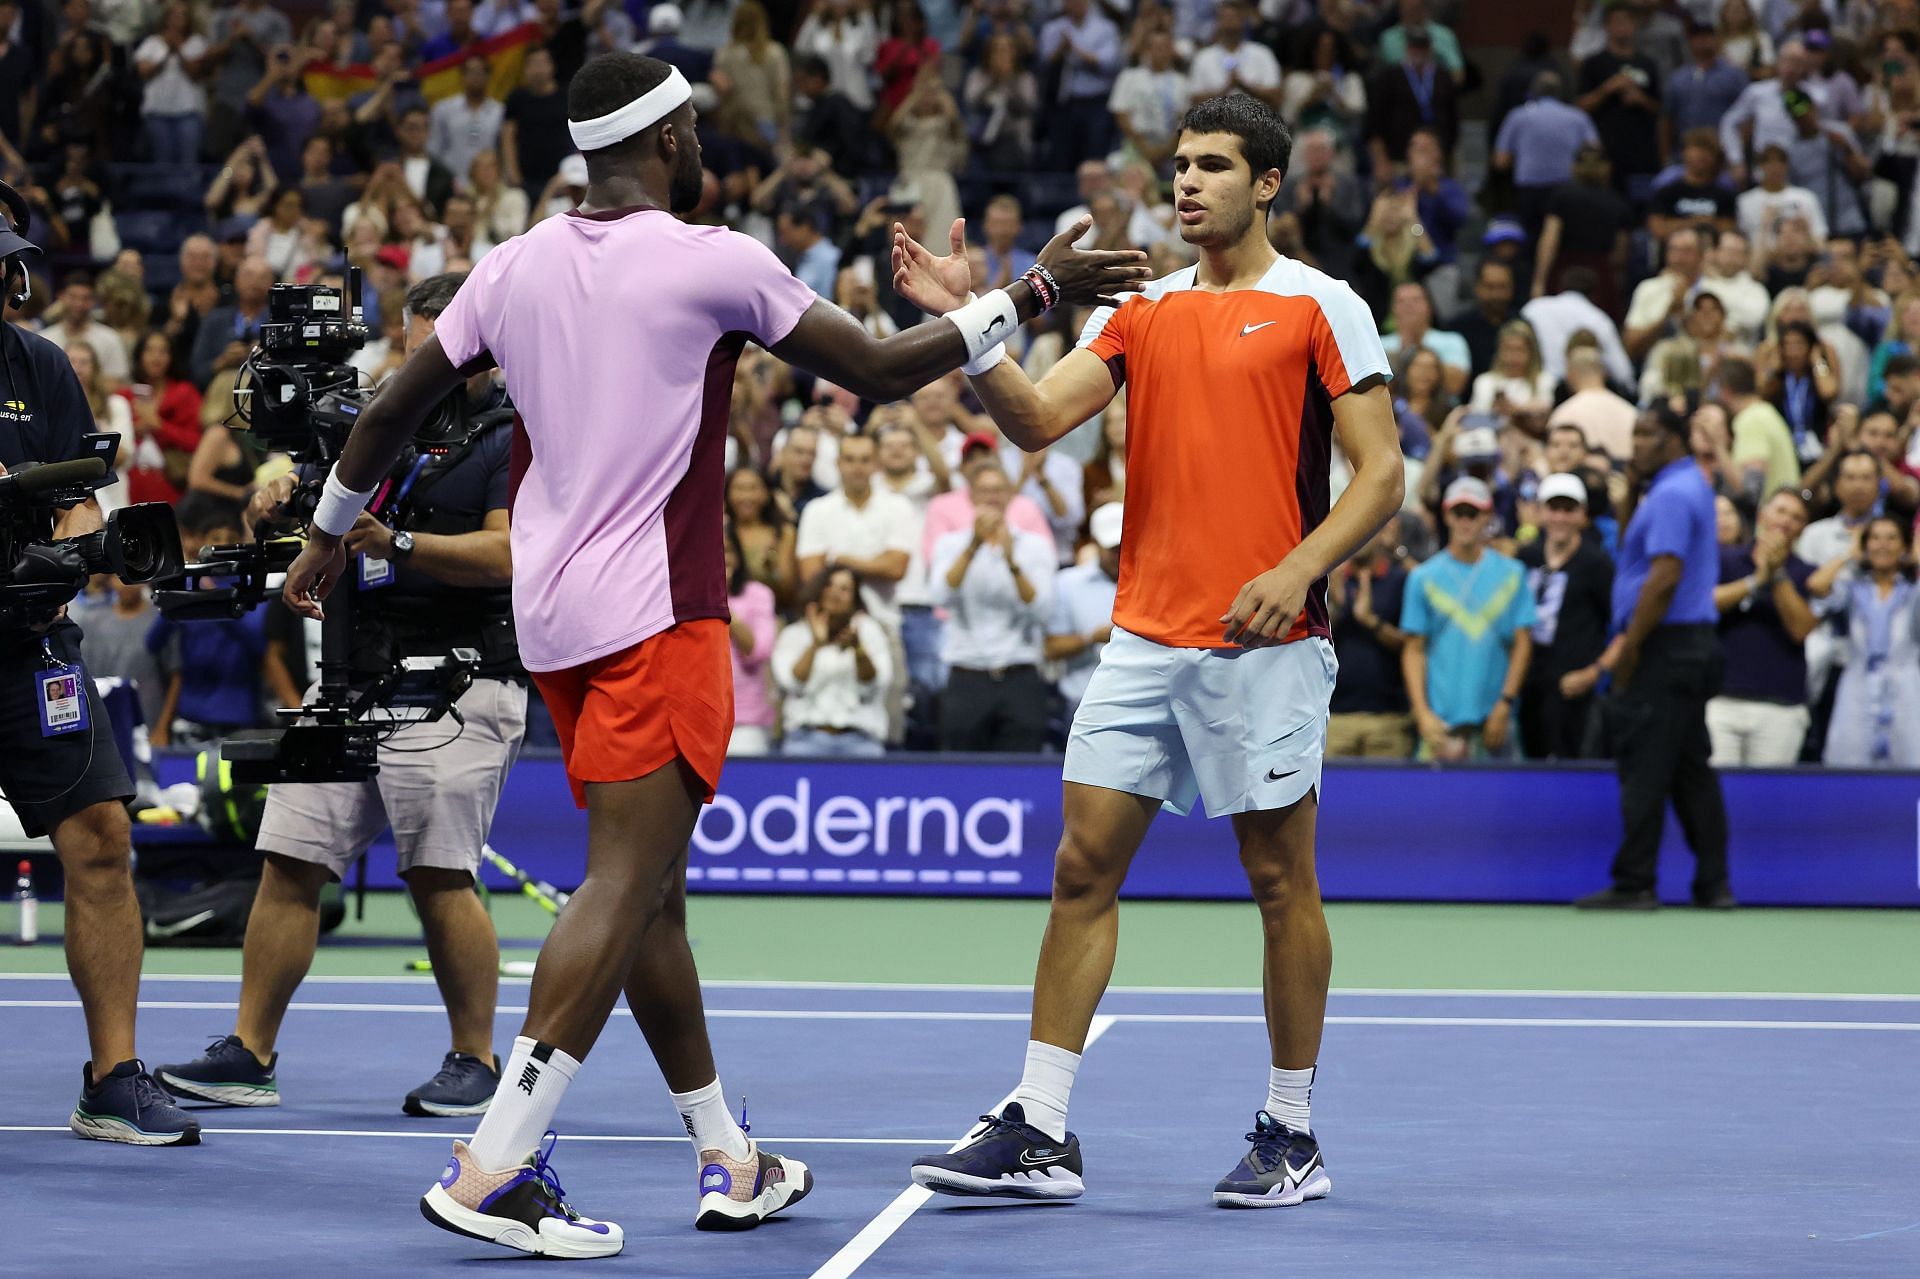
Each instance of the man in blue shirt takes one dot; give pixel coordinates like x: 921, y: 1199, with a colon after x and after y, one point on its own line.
x: 1666, y: 664
x: 1704, y: 90
x: 1082, y: 622
x: 1467, y: 615
x: 1537, y: 143
x: 812, y: 257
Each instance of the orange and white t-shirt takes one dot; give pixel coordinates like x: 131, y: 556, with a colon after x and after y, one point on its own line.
x: 1229, y: 437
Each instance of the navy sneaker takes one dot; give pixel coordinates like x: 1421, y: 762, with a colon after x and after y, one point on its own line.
x: 127, y: 1106
x: 227, y: 1074
x: 1008, y: 1157
x: 1284, y: 1168
x: 464, y: 1086
x: 522, y: 1207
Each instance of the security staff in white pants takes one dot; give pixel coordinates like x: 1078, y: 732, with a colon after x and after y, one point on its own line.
x: 440, y: 581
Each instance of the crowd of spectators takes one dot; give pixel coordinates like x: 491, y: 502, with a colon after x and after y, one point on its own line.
x: 1704, y: 200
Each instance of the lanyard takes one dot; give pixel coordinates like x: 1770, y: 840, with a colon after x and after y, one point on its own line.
x: 406, y: 485
x: 1422, y: 87
x: 1799, y: 403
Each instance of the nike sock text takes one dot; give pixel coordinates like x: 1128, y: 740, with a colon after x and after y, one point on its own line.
x: 704, y: 1112
x: 531, y: 1085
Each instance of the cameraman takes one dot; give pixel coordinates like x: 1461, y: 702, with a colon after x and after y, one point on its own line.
x: 70, y: 782
x: 441, y: 581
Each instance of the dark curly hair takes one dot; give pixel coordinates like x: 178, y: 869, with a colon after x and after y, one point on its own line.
x: 1264, y: 137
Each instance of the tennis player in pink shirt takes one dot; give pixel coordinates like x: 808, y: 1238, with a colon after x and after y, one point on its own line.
x: 617, y: 327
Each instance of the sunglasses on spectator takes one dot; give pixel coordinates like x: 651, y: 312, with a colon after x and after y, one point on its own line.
x: 1464, y: 512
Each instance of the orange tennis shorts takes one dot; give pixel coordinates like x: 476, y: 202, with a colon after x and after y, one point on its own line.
x: 624, y: 715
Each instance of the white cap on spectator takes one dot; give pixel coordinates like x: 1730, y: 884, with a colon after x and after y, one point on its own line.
x: 665, y: 20
x: 573, y: 170
x: 1467, y: 491
x: 1563, y: 484
x: 1479, y: 441
x: 1105, y: 524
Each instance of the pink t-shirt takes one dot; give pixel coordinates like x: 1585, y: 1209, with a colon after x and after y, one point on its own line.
x: 618, y: 334
x: 954, y: 509
x: 752, y: 701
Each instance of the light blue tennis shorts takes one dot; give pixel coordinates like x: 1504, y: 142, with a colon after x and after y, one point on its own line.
x: 1243, y: 728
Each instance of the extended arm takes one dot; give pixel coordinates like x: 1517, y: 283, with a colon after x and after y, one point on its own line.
x: 832, y: 344
x: 372, y: 449
x: 1035, y: 415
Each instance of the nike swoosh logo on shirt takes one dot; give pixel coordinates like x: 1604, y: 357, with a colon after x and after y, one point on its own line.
x: 1255, y: 328
x: 1274, y: 777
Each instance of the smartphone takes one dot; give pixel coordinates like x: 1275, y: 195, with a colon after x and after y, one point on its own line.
x: 141, y: 391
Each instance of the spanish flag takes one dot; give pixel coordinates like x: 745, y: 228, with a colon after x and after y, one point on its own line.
x: 505, y: 53
x: 336, y: 82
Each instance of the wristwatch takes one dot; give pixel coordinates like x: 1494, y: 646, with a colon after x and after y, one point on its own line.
x: 402, y: 545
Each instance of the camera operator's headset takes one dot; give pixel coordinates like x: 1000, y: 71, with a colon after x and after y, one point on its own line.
x: 14, y: 245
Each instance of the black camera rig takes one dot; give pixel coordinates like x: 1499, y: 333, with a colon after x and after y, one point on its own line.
x: 299, y: 395
x: 42, y: 573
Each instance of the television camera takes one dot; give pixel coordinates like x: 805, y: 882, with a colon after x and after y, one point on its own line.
x: 297, y: 394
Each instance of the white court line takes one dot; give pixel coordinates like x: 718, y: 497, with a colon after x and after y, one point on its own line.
x: 1182, y: 1019
x: 464, y: 1134
x: 882, y: 987
x: 855, y: 1252
x: 966, y: 988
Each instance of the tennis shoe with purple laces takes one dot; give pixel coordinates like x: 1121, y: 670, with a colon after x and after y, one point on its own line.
x: 522, y: 1207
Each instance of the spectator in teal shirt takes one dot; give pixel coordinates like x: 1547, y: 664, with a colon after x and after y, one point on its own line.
x: 1446, y: 45
x: 1467, y: 614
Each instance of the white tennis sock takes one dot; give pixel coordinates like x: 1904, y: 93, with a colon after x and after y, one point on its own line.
x: 709, y: 1123
x: 535, y: 1078
x: 1290, y: 1097
x: 1045, y: 1086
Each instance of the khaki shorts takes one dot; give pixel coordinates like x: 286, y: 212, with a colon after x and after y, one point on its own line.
x: 439, y: 802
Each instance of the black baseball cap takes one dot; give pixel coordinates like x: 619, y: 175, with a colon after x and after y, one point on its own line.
x: 18, y: 215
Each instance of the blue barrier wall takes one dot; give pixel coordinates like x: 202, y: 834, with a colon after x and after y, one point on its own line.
x: 988, y: 827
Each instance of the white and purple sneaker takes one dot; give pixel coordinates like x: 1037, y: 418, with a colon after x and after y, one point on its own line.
x: 739, y: 1194
x: 522, y: 1208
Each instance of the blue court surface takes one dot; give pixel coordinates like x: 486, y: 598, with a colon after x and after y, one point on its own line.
x: 1467, y: 1133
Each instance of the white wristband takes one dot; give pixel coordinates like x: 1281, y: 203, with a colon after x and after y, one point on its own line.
x: 985, y: 322
x: 987, y: 362
x: 339, y: 506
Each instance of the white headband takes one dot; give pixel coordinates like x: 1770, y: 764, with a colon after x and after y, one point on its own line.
x: 650, y: 108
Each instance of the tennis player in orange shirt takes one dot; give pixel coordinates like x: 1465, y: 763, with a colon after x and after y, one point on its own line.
x: 1240, y: 373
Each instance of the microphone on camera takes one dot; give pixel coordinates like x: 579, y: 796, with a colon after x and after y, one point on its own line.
x: 30, y: 479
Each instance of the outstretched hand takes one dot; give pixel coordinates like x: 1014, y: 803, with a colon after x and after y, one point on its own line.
x: 935, y: 285
x: 1093, y: 277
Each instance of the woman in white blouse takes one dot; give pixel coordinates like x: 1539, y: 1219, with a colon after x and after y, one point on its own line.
x: 286, y: 237
x: 846, y: 37
x: 1516, y: 383
x: 834, y: 667
x: 499, y: 210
